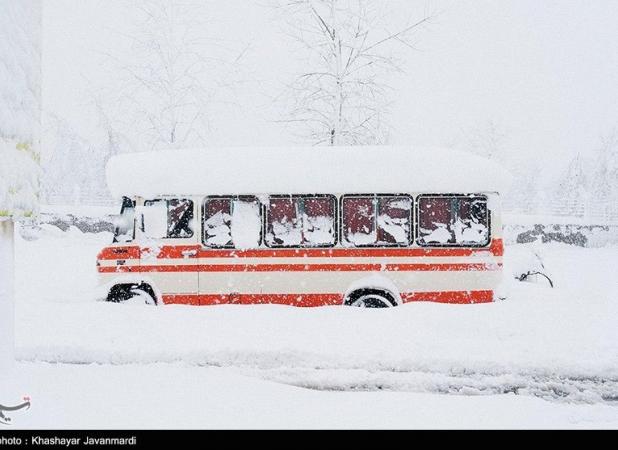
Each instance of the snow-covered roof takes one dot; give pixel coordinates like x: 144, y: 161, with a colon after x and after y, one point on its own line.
x: 264, y: 170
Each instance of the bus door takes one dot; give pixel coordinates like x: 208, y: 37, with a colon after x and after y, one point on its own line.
x: 169, y: 250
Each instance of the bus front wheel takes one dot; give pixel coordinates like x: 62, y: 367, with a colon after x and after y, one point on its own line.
x: 371, y: 298
x: 132, y: 293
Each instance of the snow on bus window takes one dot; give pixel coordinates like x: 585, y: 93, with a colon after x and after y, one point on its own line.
x: 359, y: 227
x: 284, y: 227
x: 377, y: 221
x: 318, y: 221
x: 394, y: 220
x: 453, y: 221
x: 301, y: 221
x: 232, y: 222
x: 246, y: 223
x: 154, y: 219
x: 218, y: 222
x: 168, y: 218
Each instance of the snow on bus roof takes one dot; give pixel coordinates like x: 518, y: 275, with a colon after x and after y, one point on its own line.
x: 302, y: 170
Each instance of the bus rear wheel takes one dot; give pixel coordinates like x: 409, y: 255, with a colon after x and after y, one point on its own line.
x: 132, y: 293
x: 371, y: 298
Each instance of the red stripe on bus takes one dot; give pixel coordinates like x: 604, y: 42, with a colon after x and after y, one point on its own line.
x: 306, y: 300
x: 455, y: 297
x: 442, y: 267
x: 182, y: 299
x: 119, y: 253
x: 290, y: 267
x: 312, y: 300
x: 304, y: 268
x: 179, y: 251
x: 496, y: 249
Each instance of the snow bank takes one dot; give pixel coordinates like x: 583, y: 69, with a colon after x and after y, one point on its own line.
x: 176, y: 396
x: 243, y: 170
x: 541, y: 340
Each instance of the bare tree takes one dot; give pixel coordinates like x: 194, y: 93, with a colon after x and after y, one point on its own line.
x: 348, y: 48
x: 171, y: 77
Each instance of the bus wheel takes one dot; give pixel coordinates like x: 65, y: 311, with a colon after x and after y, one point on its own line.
x: 371, y: 298
x: 142, y: 294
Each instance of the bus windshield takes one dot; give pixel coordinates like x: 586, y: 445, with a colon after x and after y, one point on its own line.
x: 125, y: 222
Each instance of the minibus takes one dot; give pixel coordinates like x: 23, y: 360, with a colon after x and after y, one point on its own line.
x: 360, y: 226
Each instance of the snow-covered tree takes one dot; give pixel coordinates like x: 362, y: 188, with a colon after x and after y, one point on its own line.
x: 20, y: 66
x: 171, y: 77
x: 604, y: 185
x: 571, y: 195
x: 83, y: 158
x: 526, y: 195
x: 488, y: 140
x: 348, y: 49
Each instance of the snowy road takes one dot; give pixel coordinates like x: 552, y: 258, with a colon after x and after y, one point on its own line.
x: 177, y: 396
x: 556, y: 344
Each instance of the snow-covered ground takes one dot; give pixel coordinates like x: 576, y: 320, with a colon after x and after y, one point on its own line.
x: 179, y: 396
x: 542, y: 358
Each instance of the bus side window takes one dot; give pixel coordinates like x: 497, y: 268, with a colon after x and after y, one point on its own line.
x: 284, y: 229
x: 455, y: 220
x: 180, y: 218
x: 471, y: 225
x: 318, y: 221
x: 374, y: 221
x: 218, y: 222
x: 232, y: 222
x: 167, y: 218
x: 434, y: 220
x: 301, y: 221
x: 358, y: 215
x: 394, y: 220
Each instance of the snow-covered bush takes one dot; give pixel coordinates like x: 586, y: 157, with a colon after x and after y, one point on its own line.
x: 20, y: 76
x: 19, y: 172
x: 20, y: 67
x: 526, y: 264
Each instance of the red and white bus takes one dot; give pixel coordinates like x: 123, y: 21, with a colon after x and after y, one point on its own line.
x: 372, y: 227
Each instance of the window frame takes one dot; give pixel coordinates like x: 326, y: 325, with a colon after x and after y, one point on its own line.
x: 167, y: 200
x: 296, y: 196
x: 231, y: 198
x: 417, y: 237
x: 125, y: 201
x: 411, y: 235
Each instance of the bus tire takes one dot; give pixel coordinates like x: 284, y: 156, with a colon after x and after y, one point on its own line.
x: 122, y: 293
x: 371, y: 298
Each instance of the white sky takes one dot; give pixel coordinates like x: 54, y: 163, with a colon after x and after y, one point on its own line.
x: 546, y: 71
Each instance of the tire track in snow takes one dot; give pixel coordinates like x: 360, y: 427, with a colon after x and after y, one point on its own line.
x: 552, y: 387
x: 324, y: 373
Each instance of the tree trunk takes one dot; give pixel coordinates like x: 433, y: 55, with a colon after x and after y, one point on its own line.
x: 7, y: 259
x: 336, y: 135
